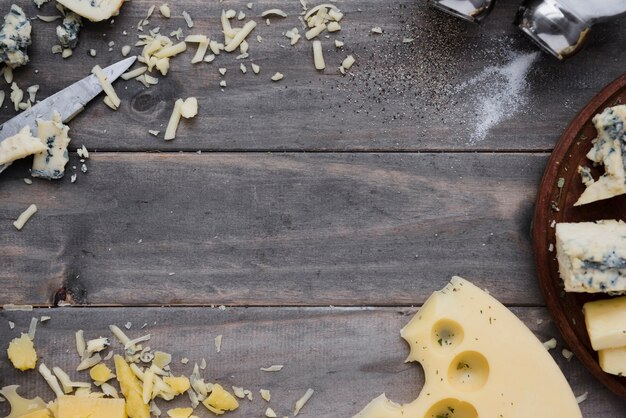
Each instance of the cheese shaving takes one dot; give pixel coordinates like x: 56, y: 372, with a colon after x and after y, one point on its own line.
x: 32, y: 329
x: 348, y: 62
x: 269, y: 412
x: 134, y: 73
x: 550, y: 344
x: 80, y: 343
x: 333, y: 27
x: 12, y: 307
x: 255, y: 68
x: 119, y: 334
x: 188, y: 19
x: 274, y: 12
x: 24, y: 217
x: 165, y: 10
x: 109, y: 390
x: 43, y: 318
x: 277, y: 76
x: 89, y: 362
x: 303, y: 400
x: 106, y: 86
x: 172, y: 126
x: 218, y: 343
x: 240, y: 36
x: 135, y: 341
x: 171, y: 50
x: 273, y: 368
x: 324, y: 6
x: 66, y: 382
x: 582, y: 398
x: 239, y: 392
x: 315, y: 31
x: 51, y: 380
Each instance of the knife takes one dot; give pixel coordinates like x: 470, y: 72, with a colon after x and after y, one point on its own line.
x: 68, y: 102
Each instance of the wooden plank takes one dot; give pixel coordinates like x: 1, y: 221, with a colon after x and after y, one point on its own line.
x: 348, y: 356
x: 266, y: 229
x: 398, y: 97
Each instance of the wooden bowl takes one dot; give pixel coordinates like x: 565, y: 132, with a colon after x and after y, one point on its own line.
x: 560, y: 187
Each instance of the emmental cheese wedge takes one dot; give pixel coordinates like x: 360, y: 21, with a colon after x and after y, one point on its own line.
x: 94, y: 10
x: 606, y: 322
x: 479, y: 360
x: 88, y: 407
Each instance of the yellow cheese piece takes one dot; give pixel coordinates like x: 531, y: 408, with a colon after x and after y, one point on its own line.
x: 88, y: 407
x: 100, y: 373
x: 22, y: 353
x: 613, y: 360
x: 21, y: 406
x: 19, y: 146
x: 42, y: 413
x: 606, y: 322
x: 178, y: 384
x: 131, y: 389
x: 180, y: 412
x: 94, y: 11
x: 479, y: 360
x: 220, y: 400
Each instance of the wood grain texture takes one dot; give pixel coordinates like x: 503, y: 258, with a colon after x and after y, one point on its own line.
x: 272, y: 229
x: 348, y: 356
x: 398, y: 96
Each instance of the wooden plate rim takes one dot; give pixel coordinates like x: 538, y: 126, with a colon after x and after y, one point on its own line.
x: 540, y: 244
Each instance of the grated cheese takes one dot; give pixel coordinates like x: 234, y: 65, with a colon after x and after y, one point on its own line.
x: 97, y: 345
x: 11, y: 324
x: 269, y: 412
x: 125, y: 50
x: 32, y: 329
x: 274, y: 12
x: 152, y: 132
x: 348, y: 62
x: 266, y: 395
x: 273, y: 368
x: 66, y: 382
x: 567, y: 354
x: 171, y: 50
x: 50, y: 379
x: 550, y: 344
x: 582, y: 398
x: 119, y: 334
x: 218, y: 343
x: 240, y: 36
x: 277, y: 77
x: 165, y: 10
x: 106, y: 86
x: 243, y: 68
x: 377, y: 30
x: 303, y: 400
x: 255, y: 68
x: 315, y: 31
x: 134, y: 73
x: 188, y: 19
x: 203, y: 364
x: 17, y: 94
x: 318, y: 55
x: 43, y: 318
x: 12, y: 307
x: 109, y: 390
x: 48, y: 19
x: 172, y: 125
x: 333, y: 27
x: 24, y: 217
x: 89, y: 362
x: 239, y: 392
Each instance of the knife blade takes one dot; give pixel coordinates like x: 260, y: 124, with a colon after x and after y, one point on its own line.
x: 68, y: 102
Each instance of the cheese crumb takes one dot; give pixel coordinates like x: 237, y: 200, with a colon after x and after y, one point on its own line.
x: 255, y: 68
x: 277, y: 76
x: 218, y: 343
x: 582, y: 398
x: 239, y: 392
x: 106, y: 86
x: 568, y: 355
x: 550, y: 344
x: 188, y: 19
x: 24, y: 217
x: 28, y: 181
x: 165, y: 10
x: 377, y: 30
x: 184, y: 360
x: 318, y: 55
x: 266, y: 395
x: 273, y: 368
x: 269, y: 412
x: 125, y: 50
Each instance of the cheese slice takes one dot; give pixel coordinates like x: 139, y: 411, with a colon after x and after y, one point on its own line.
x: 479, y: 360
x: 50, y: 164
x: 90, y: 407
x: 15, y: 37
x: 592, y: 256
x: 606, y: 322
x: 19, y: 146
x: 613, y: 360
x: 608, y: 149
x: 94, y: 10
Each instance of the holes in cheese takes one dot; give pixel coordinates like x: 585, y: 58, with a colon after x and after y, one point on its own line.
x: 447, y: 334
x: 468, y: 371
x: 489, y: 364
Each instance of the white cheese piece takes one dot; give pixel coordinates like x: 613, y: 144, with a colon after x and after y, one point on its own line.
x: 273, y: 368
x: 266, y: 395
x: 32, y: 92
x: 68, y: 30
x: 377, y: 30
x: 40, y: 3
x: 613, y: 360
x: 608, y: 150
x: 49, y: 19
x: 17, y: 94
x: 125, y: 50
x: 277, y: 76
x: 19, y: 146
x: 269, y: 412
x: 348, y: 62
x: 94, y: 10
x: 606, y: 323
x: 302, y: 401
x: 106, y: 86
x: 2, y: 97
x: 338, y: 44
x: 333, y: 27
x: 243, y: 68
x: 592, y: 256
x: 51, y: 380
x: 172, y: 125
x: 15, y: 38
x: 315, y: 31
x: 189, y: 109
x: 218, y: 343
x: 165, y: 10
x: 318, y: 55
x: 274, y: 12
x: 479, y: 360
x: 201, y: 52
x: 50, y: 164
x: 188, y: 19
x: 134, y: 73
x: 24, y: 217
x: 255, y: 68
x: 171, y: 51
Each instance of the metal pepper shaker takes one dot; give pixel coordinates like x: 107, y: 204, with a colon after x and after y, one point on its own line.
x: 561, y: 26
x: 472, y: 10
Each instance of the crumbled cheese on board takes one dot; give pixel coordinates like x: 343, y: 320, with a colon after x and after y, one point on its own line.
x: 302, y: 401
x: 24, y: 217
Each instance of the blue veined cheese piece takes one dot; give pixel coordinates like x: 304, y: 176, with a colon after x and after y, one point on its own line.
x: 608, y: 149
x: 67, y: 32
x: 15, y: 38
x: 50, y: 164
x: 94, y: 10
x: 592, y: 256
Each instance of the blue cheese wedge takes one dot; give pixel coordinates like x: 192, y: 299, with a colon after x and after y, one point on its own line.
x: 94, y: 10
x: 67, y: 32
x: 15, y: 38
x: 19, y: 146
x: 50, y: 164
x: 592, y: 256
x: 608, y: 149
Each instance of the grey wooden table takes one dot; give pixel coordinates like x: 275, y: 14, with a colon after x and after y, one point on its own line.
x: 321, y: 211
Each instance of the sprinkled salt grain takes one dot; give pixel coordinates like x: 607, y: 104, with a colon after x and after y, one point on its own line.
x: 500, y: 92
